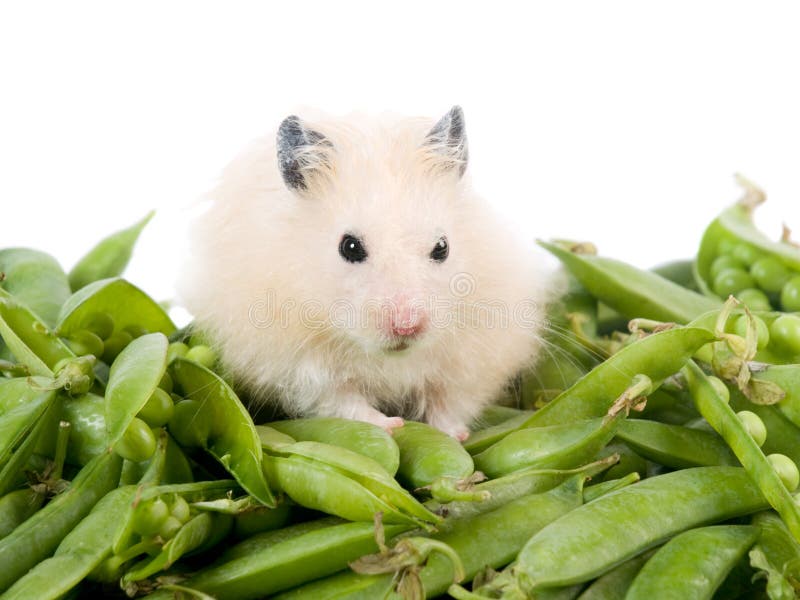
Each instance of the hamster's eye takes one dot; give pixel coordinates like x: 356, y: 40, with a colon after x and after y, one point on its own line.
x: 352, y: 249
x: 441, y: 250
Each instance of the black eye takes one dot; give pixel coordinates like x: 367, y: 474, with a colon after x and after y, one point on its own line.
x: 440, y: 250
x: 352, y: 249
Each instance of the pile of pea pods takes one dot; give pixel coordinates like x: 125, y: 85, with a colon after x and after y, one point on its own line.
x: 651, y: 453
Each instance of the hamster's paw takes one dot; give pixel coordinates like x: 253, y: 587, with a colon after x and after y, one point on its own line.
x: 449, y: 425
x: 388, y: 423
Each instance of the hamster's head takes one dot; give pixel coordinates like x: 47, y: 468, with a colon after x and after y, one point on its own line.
x: 373, y: 238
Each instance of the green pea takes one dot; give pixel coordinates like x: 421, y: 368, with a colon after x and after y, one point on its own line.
x: 723, y: 262
x: 790, y: 295
x: 746, y: 253
x: 740, y: 328
x: 786, y: 470
x: 158, y: 409
x: 114, y: 344
x: 176, y: 350
x: 203, y: 355
x: 187, y: 427
x: 731, y: 281
x: 166, y: 382
x: 754, y: 425
x: 754, y: 299
x: 785, y: 333
x: 149, y: 517
x: 726, y: 245
x: 770, y: 274
x: 101, y: 324
x: 137, y: 443
x: 84, y: 342
x: 135, y: 331
x: 180, y: 509
x: 169, y: 528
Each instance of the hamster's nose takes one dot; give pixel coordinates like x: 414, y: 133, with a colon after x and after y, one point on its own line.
x: 408, y: 330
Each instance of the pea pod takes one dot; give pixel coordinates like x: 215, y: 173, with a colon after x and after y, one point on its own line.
x: 40, y: 535
x: 657, y: 356
x: 431, y: 458
x: 734, y: 233
x: 109, y: 257
x: 787, y: 377
x: 680, y: 272
x: 783, y: 436
x: 36, y: 280
x: 675, y: 446
x: 341, y: 482
x: 28, y: 338
x: 358, y: 436
x: 232, y: 438
x: 288, y: 563
x: 124, y: 303
x: 633, y: 292
x: 693, y: 564
x: 133, y: 378
x: 595, y: 537
x: 722, y: 418
x: 614, y: 584
x: 495, y: 414
x: 78, y: 554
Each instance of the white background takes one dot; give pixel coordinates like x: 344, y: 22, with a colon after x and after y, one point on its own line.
x: 618, y: 122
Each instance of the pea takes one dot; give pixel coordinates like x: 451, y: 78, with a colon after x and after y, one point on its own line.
x: 187, y: 426
x: 176, y: 349
x: 754, y: 425
x: 746, y: 253
x: 169, y: 528
x: 158, y: 409
x: 137, y: 443
x: 726, y: 245
x: 114, y: 344
x: 786, y: 469
x: 180, y: 509
x: 166, y: 382
x: 135, y: 331
x: 785, y: 333
x: 101, y: 324
x: 754, y: 299
x: 731, y: 281
x: 740, y: 328
x: 724, y: 262
x: 84, y: 342
x: 203, y: 355
x: 150, y: 516
x: 770, y: 274
x: 790, y: 295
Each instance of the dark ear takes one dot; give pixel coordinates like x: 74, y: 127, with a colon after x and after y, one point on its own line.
x: 449, y: 138
x: 300, y: 150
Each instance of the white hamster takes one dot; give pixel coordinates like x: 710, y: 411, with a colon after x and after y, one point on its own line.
x: 346, y: 267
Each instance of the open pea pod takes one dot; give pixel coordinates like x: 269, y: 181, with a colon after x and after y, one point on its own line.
x: 28, y: 338
x: 133, y: 378
x: 36, y: 280
x: 109, y: 257
x: 219, y: 423
x: 633, y: 292
x: 361, y: 470
x: 787, y: 377
x: 127, y: 305
x: 734, y: 234
x: 657, y: 356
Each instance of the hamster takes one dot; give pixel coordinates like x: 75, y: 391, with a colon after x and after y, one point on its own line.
x: 347, y: 268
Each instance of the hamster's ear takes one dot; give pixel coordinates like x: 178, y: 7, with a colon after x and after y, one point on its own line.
x: 301, y: 151
x: 448, y: 138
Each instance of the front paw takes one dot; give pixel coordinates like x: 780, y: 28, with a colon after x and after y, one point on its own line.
x: 389, y: 424
x: 449, y: 425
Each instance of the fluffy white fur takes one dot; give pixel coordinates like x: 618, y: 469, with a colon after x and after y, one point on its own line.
x: 264, y: 258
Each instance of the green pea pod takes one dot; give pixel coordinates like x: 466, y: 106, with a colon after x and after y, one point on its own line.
x: 20, y: 430
x: 288, y: 563
x: 657, y: 356
x: 358, y: 436
x: 614, y: 584
x: 78, y: 554
x: 735, y: 226
x: 36, y: 280
x: 232, y: 438
x: 635, y: 293
x: 675, y: 446
x: 109, y: 257
x: 693, y: 564
x: 783, y: 436
x: 127, y: 305
x: 777, y: 555
x: 203, y: 530
x: 722, y: 418
x: 595, y: 537
x: 495, y: 414
x: 88, y: 437
x: 342, y: 482
x: 787, y: 377
x: 490, y: 539
x: 28, y: 338
x: 262, y: 542
x: 680, y: 272
x: 551, y: 447
x: 17, y: 507
x: 40, y: 535
x: 428, y: 455
x: 133, y: 378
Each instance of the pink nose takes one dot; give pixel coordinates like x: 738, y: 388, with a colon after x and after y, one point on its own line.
x: 407, y: 330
